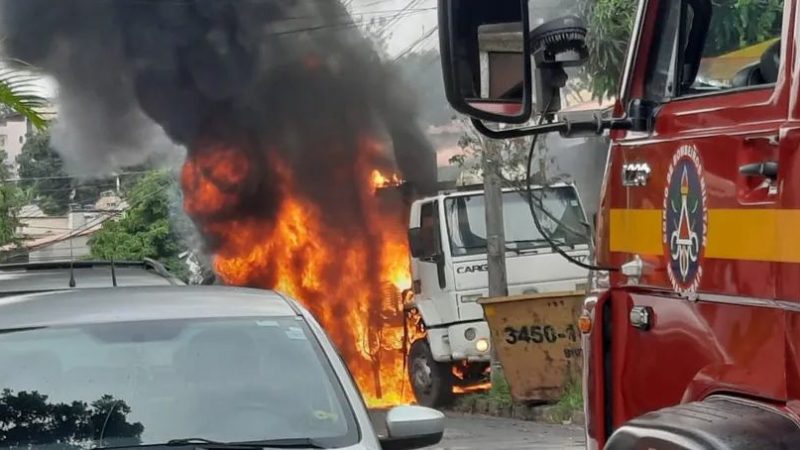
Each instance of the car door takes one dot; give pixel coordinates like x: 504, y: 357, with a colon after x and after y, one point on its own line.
x: 701, y: 218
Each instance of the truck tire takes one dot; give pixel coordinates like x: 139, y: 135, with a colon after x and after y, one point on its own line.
x: 431, y: 380
x: 717, y: 423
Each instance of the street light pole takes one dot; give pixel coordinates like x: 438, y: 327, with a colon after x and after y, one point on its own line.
x: 495, y: 235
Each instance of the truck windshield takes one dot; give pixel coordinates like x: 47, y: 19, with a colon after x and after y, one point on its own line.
x: 142, y: 383
x: 563, y: 221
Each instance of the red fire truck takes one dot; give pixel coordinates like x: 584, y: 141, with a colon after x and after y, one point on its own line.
x: 693, y: 341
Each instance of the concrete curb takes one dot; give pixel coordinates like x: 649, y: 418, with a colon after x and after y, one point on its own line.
x: 498, y: 408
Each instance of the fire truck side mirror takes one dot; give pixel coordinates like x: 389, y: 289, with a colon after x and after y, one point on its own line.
x: 485, y: 58
x: 642, y: 115
x: 415, y: 242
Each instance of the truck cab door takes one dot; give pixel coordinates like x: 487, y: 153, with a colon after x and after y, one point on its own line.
x: 429, y: 264
x: 693, y: 197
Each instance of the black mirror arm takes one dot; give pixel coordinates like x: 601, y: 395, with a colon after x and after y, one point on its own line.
x: 594, y: 127
x: 516, y: 132
x: 567, y: 128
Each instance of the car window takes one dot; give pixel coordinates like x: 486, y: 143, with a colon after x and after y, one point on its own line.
x: 150, y: 382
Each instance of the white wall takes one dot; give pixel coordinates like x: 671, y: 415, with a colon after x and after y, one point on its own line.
x: 61, y: 250
x: 12, y: 136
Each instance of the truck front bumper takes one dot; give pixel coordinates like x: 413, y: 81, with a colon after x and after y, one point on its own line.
x: 461, y: 341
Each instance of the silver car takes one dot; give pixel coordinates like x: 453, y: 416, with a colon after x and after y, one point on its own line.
x: 186, y: 367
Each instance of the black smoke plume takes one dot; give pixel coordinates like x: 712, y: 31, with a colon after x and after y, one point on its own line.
x: 295, y: 77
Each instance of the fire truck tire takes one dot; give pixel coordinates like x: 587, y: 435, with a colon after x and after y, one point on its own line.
x: 432, y: 381
x: 717, y: 423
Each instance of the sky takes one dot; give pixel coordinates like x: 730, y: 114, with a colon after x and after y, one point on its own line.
x: 412, y: 22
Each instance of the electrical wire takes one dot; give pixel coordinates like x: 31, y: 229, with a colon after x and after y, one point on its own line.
x: 70, y: 177
x: 411, y: 47
x: 104, y: 218
x: 559, y: 222
x: 553, y: 245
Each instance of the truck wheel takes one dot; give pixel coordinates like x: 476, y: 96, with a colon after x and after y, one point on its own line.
x: 431, y: 381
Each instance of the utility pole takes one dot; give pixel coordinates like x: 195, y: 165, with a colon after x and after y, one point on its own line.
x: 495, y: 233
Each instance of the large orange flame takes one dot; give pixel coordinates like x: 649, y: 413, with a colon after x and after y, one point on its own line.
x: 352, y: 283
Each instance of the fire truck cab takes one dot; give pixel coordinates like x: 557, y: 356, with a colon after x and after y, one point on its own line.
x: 693, y: 341
x: 447, y: 233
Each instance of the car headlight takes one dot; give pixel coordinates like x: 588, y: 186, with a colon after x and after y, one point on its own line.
x: 482, y: 345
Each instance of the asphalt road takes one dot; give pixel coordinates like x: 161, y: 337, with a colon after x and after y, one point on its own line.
x: 464, y: 432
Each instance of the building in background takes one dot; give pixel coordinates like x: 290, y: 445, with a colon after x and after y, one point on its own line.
x: 55, y: 238
x: 14, y: 129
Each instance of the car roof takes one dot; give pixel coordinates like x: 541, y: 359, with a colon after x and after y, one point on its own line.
x: 56, y: 275
x: 129, y: 304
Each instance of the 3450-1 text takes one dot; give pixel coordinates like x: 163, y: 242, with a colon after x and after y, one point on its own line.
x: 539, y: 334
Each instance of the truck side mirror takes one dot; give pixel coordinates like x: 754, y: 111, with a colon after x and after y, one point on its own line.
x: 486, y: 58
x: 642, y: 114
x: 415, y: 242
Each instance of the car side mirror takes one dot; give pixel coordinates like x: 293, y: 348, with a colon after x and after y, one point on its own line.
x: 411, y: 427
x: 486, y: 58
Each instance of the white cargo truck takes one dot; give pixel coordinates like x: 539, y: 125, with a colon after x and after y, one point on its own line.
x: 447, y: 235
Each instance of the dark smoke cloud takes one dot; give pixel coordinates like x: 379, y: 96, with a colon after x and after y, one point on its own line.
x: 291, y: 76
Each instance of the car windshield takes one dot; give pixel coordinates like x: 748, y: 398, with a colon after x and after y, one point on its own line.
x: 137, y: 383
x: 562, y: 219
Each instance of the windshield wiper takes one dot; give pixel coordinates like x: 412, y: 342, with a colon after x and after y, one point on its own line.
x: 531, y: 244
x: 207, y: 443
x: 286, y: 443
x: 211, y: 445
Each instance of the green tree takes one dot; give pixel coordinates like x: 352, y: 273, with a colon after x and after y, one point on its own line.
x: 5, y: 166
x: 145, y: 230
x: 11, y: 200
x: 29, y: 419
x: 734, y: 24
x: 41, y: 170
x: 609, y: 24
x: 740, y: 23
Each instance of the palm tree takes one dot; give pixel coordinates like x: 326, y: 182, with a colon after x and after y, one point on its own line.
x: 19, y: 93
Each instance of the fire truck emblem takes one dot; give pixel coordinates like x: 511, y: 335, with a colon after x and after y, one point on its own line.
x: 685, y: 220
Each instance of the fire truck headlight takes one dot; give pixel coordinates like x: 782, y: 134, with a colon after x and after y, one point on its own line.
x: 482, y: 345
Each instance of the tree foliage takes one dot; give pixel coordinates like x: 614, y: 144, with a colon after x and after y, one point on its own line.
x: 41, y: 170
x: 29, y: 419
x: 513, y: 154
x: 740, y: 23
x: 146, y: 229
x: 609, y: 24
x: 11, y: 200
x: 734, y: 24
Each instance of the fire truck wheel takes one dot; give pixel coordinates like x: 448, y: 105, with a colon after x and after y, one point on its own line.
x: 431, y: 381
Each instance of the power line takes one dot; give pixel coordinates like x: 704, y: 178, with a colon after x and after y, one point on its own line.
x: 72, y: 177
x: 411, y: 47
x: 411, y: 4
x: 103, y: 219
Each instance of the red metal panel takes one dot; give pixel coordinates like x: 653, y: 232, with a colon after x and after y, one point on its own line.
x: 693, y: 350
